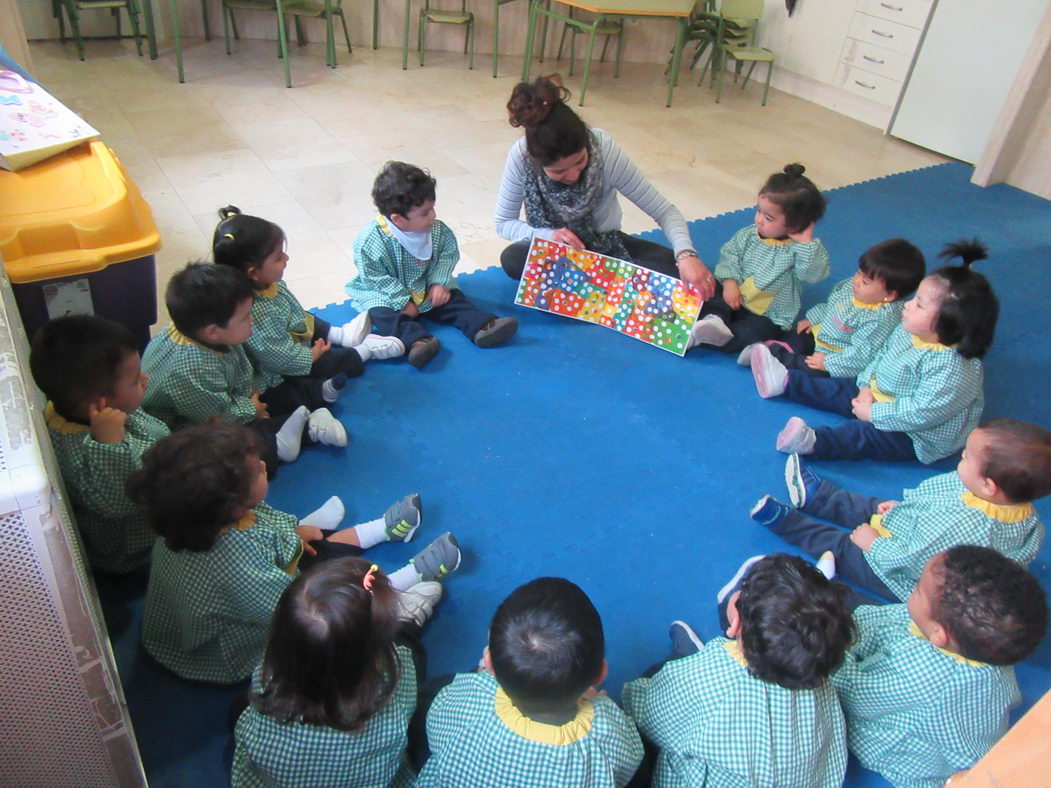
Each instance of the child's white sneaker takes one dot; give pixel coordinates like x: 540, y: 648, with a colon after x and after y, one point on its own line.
x: 350, y: 334
x: 796, y: 437
x: 709, y: 330
x: 381, y: 348
x: 770, y: 375
x: 826, y: 564
x: 324, y: 428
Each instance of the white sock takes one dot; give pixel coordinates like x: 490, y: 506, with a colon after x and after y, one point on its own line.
x: 327, y: 516
x: 372, y: 533
x: 329, y: 393
x: 290, y: 436
x: 826, y: 564
x: 365, y: 352
x: 335, y: 335
x: 404, y: 579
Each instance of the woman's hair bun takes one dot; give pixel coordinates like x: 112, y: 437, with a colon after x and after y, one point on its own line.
x: 968, y: 251
x: 532, y: 102
x: 794, y: 170
x: 229, y: 210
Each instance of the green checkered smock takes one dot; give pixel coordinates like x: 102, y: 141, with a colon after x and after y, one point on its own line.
x: 770, y: 272
x: 271, y: 753
x: 191, y: 383
x: 388, y: 275
x: 207, y: 614
x: 850, y: 332
x: 116, y: 535
x: 472, y: 743
x: 933, y: 394
x: 281, y: 333
x: 717, y: 725
x: 942, y: 513
x: 918, y: 714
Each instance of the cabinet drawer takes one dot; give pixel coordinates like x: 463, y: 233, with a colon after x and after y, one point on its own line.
x: 907, y: 12
x: 881, y: 33
x: 864, y: 83
x: 876, y: 60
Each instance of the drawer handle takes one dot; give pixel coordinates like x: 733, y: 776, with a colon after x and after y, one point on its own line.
x: 882, y: 34
x: 862, y: 84
x: 875, y: 60
x: 890, y: 7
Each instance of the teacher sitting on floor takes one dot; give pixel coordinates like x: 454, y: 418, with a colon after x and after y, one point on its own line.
x: 568, y: 176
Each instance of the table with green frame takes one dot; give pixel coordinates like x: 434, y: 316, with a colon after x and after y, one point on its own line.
x: 679, y: 10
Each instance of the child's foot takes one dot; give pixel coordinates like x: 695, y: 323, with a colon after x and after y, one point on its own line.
x: 709, y: 330
x: 684, y: 641
x: 826, y: 564
x: 438, y: 559
x: 324, y: 428
x: 290, y: 436
x: 423, y: 350
x: 728, y: 589
x: 769, y: 511
x: 416, y: 604
x: 802, y: 483
x: 797, y: 437
x: 403, y: 518
x: 770, y: 375
x: 331, y: 388
x: 744, y: 358
x: 350, y: 334
x: 377, y: 348
x: 497, y: 330
x: 328, y: 516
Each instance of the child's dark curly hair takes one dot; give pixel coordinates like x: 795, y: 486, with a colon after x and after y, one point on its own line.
x: 400, y: 187
x: 993, y: 608
x: 969, y: 308
x: 552, y: 130
x: 195, y: 482
x: 795, y: 625
x: 802, y: 202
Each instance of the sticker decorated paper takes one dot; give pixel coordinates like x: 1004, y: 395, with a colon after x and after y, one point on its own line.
x: 653, y: 307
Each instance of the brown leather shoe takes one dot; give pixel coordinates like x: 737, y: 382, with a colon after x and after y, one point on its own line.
x: 423, y: 350
x: 496, y: 331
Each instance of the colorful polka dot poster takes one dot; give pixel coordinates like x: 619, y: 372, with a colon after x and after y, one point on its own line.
x: 655, y: 308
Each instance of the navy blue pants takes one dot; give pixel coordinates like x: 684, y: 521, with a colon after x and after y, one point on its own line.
x: 852, y: 440
x: 747, y: 326
x: 796, y: 359
x: 335, y: 359
x: 457, y: 311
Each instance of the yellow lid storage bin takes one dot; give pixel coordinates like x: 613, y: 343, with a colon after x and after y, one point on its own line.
x: 76, y: 236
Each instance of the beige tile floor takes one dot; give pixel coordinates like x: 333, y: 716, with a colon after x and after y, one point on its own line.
x: 305, y: 157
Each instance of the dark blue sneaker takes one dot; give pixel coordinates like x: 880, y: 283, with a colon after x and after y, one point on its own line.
x: 684, y: 641
x: 769, y: 511
x: 801, y: 481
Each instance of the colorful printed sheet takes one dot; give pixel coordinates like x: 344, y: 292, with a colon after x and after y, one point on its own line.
x: 655, y: 308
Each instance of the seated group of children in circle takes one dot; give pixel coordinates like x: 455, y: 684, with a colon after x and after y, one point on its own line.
x: 171, y: 477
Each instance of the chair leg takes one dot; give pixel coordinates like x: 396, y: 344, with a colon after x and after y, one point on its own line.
x: 204, y: 20
x: 375, y: 24
x: 233, y: 24
x: 173, y: 7
x: 722, y: 73
x: 470, y: 38
x: 605, y: 46
x: 228, y: 15
x: 116, y: 20
x: 346, y: 33
x: 748, y: 76
x: 74, y: 26
x: 587, y: 64
x: 572, y: 50
x: 561, y: 42
x: 496, y: 34
x: 282, y: 41
x: 620, y: 44
x: 420, y: 44
x: 133, y: 17
x: 301, y: 36
x: 766, y: 88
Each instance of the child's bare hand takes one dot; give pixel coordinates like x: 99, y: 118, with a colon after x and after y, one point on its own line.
x: 804, y: 326
x: 592, y: 692
x: 815, y: 361
x: 863, y: 536
x: 107, y: 424
x: 319, y: 348
x: 731, y: 294
x: 861, y: 409
x: 806, y: 235
x: 865, y: 395
x: 439, y: 294
x: 567, y: 237
x: 886, y: 506
x: 410, y: 309
x: 308, y: 534
x: 260, y: 407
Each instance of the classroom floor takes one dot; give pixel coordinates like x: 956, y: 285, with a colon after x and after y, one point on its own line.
x: 305, y: 157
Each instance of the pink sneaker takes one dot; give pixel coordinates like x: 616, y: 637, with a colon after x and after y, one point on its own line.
x: 796, y: 437
x: 770, y: 375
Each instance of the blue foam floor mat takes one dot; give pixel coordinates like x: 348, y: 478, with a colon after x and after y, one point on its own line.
x: 577, y: 452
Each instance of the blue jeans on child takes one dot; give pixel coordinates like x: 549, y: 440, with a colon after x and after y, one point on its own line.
x: 457, y: 311
x: 852, y: 440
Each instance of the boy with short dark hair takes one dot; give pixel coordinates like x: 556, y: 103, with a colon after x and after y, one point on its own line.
x: 986, y: 501
x: 532, y: 716
x: 927, y: 689
x: 405, y: 260
x: 756, y: 707
x: 89, y: 369
x: 841, y: 336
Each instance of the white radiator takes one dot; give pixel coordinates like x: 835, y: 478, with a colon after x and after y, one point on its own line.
x: 63, y: 718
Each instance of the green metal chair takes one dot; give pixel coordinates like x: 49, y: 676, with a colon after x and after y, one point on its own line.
x: 735, y: 40
x: 73, y: 8
x: 496, y: 30
x: 607, y: 28
x: 441, y: 16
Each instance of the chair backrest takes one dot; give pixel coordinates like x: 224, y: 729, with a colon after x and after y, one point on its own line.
x: 741, y: 9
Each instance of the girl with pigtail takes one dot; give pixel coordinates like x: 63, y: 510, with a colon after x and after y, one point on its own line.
x: 567, y: 177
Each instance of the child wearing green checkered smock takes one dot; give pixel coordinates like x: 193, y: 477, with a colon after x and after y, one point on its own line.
x: 763, y: 267
x: 89, y: 368
x: 724, y: 719
x: 330, y: 705
x: 928, y: 687
x: 532, y: 717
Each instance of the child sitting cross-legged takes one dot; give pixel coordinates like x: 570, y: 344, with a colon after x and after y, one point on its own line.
x: 840, y: 337
x: 405, y: 260
x: 225, y: 556
x: 756, y: 707
x: 532, y: 715
x: 200, y: 370
x: 89, y: 369
x: 986, y: 501
x: 928, y: 687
